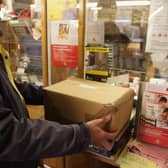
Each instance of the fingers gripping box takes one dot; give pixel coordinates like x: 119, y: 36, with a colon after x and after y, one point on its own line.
x: 76, y: 100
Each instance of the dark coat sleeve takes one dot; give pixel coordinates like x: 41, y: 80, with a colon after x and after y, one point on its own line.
x: 27, y: 139
x: 32, y: 93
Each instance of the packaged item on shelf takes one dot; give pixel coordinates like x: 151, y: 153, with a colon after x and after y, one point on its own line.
x: 158, y: 155
x: 153, y: 125
x: 120, y: 142
x: 100, y: 62
x: 96, y: 63
x: 113, y: 59
x: 76, y: 100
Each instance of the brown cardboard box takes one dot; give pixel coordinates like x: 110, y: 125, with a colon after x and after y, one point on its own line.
x: 76, y: 100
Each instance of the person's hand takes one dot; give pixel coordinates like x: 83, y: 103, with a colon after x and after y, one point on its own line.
x: 100, y: 137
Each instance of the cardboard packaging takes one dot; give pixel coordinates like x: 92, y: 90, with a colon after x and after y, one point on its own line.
x: 76, y: 100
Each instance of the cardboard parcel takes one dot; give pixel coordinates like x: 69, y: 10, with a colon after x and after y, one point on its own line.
x: 76, y: 100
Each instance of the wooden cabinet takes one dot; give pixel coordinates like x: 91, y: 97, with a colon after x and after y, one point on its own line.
x: 90, y: 160
x: 55, y: 162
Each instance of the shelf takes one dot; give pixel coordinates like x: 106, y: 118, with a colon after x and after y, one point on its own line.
x: 113, y: 159
x: 110, y: 160
x: 128, y: 70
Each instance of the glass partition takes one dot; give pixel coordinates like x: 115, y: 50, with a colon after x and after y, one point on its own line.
x: 126, y: 38
x: 63, y: 44
x: 20, y: 20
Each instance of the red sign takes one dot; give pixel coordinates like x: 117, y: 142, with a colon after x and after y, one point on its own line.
x: 64, y: 55
x: 153, y: 135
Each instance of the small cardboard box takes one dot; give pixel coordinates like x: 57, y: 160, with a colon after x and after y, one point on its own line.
x: 76, y: 100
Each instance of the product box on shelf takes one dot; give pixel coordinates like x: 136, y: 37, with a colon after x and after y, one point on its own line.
x: 77, y: 100
x: 153, y: 121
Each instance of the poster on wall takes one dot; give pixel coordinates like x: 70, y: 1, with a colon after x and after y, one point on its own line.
x: 95, y: 33
x: 157, y: 35
x: 62, y: 9
x: 64, y: 43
